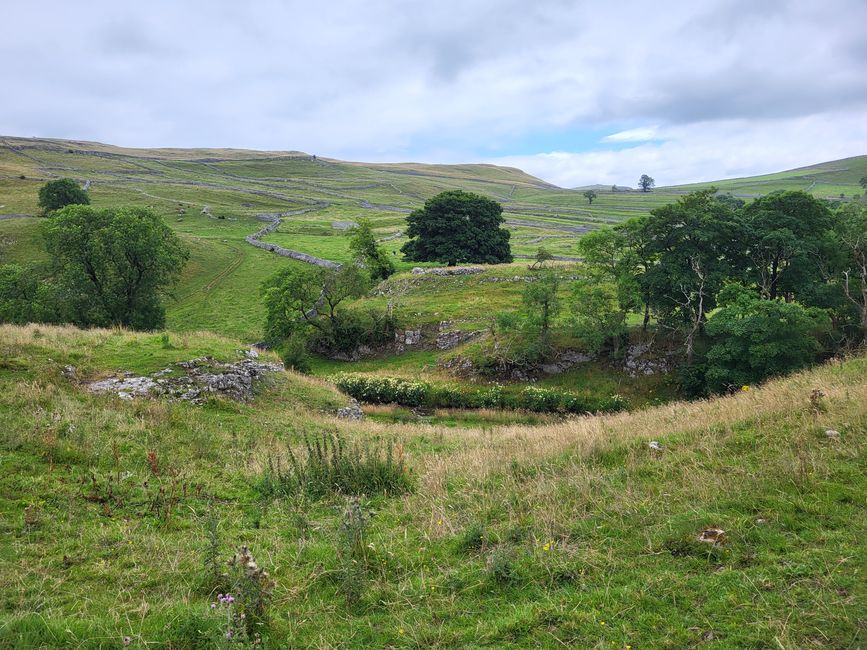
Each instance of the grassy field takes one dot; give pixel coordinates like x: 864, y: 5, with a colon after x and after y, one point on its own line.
x: 555, y: 533
x: 219, y: 290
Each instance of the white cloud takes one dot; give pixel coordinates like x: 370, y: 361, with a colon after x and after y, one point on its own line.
x: 632, y: 135
x: 706, y: 152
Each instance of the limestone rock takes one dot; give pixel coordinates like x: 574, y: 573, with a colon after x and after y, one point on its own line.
x: 351, y: 412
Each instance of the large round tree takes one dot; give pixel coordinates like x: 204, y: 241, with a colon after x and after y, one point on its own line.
x: 59, y: 193
x: 456, y: 227
x: 112, y: 266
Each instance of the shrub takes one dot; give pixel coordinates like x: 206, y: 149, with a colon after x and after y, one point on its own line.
x: 393, y: 390
x: 331, y: 466
x: 293, y: 352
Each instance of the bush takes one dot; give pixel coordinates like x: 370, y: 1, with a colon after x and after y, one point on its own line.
x: 293, y: 352
x: 393, y: 390
x: 331, y: 466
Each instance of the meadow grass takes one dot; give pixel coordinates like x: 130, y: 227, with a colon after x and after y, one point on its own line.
x: 571, y: 533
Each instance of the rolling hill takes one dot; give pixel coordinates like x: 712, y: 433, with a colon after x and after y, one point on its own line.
x: 215, y: 198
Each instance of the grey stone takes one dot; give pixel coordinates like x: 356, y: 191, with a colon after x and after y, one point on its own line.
x: 351, y: 412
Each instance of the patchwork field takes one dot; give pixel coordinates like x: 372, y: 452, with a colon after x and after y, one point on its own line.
x: 212, y: 197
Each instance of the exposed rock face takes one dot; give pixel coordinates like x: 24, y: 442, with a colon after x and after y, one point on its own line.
x: 449, y: 338
x: 200, y: 377
x: 638, y: 362
x: 351, y: 412
x: 567, y: 360
x: 409, y: 337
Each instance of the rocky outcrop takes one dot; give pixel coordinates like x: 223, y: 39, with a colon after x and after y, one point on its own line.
x: 448, y: 338
x: 639, y: 360
x: 191, y: 381
x: 565, y: 361
x: 351, y: 412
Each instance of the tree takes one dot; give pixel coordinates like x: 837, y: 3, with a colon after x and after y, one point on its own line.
x: 542, y: 255
x: 692, y: 246
x: 590, y: 195
x: 24, y: 298
x: 596, y: 314
x: 367, y: 253
x: 457, y: 226
x: 55, y: 195
x: 863, y: 182
x: 784, y: 233
x: 850, y: 266
x: 301, y: 301
x: 112, y: 266
x: 646, y: 182
x: 754, y: 339
x: 540, y: 299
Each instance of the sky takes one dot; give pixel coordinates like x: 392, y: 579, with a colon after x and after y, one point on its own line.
x: 575, y: 92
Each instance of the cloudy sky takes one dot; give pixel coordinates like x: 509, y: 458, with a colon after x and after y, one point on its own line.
x: 576, y: 92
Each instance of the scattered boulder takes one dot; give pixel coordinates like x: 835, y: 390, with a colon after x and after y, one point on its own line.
x: 653, y: 444
x: 351, y: 412
x: 832, y: 434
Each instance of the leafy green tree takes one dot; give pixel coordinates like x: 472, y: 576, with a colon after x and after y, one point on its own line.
x: 57, y: 194
x: 365, y: 251
x: 597, y: 315
x: 541, y: 301
x: 590, y: 195
x: 24, y: 298
x: 457, y: 227
x: 848, y: 264
x: 754, y: 339
x: 298, y: 300
x: 609, y: 257
x: 542, y: 255
x: 112, y: 266
x: 692, y: 246
x: 784, y: 231
x: 863, y: 182
x: 646, y: 183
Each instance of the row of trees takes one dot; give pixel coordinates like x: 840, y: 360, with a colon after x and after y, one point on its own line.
x: 782, y: 276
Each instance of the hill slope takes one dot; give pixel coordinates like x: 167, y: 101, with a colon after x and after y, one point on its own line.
x: 572, y: 534
x: 215, y: 198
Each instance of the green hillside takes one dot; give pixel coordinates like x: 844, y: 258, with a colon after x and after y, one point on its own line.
x: 826, y: 180
x: 212, y: 197
x: 569, y: 534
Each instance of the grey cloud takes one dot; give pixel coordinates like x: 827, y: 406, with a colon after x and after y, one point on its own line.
x: 423, y: 80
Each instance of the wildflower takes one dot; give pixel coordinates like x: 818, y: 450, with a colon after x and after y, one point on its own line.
x: 601, y: 622
x: 745, y: 388
x: 439, y: 522
x: 547, y: 546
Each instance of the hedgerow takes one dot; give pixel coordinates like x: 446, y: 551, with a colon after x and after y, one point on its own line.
x: 406, y: 392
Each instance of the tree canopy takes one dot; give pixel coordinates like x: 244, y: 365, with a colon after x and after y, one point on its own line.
x: 366, y: 252
x: 458, y: 227
x: 646, y: 183
x: 112, y: 266
x: 57, y: 194
x: 590, y: 195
